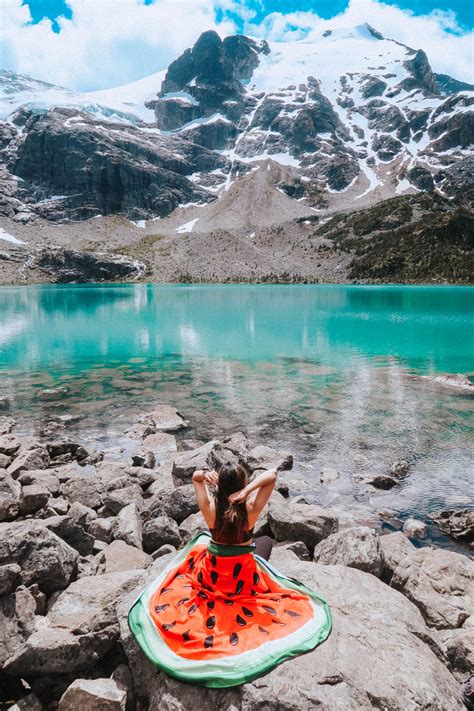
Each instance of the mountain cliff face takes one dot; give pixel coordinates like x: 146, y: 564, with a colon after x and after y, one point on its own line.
x: 340, y: 123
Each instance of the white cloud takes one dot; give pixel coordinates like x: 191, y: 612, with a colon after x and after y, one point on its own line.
x: 106, y: 42
x: 111, y: 42
x: 448, y: 46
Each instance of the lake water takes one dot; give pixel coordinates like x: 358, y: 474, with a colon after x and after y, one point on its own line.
x: 332, y: 373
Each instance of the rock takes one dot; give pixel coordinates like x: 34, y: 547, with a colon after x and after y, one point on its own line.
x: 82, y: 515
x: 357, y: 547
x: 414, y: 528
x: 33, y: 498
x: 101, y: 529
x: 5, y: 402
x: 458, y: 524
x: 40, y: 477
x: 17, y: 622
x: 44, y: 558
x: 40, y: 599
x: 128, y: 526
x: 27, y: 703
x: 74, y: 534
x: 93, y: 694
x: 123, y: 676
x: 458, y: 646
x: 380, y: 481
x: 440, y: 583
x: 118, y: 499
x: 395, y: 547
x: 79, y: 629
x: 5, y: 461
x: 328, y: 475
x: 9, y: 444
x: 301, y: 522
x: 177, y: 503
x: 10, y: 493
x: 120, y: 556
x: 145, y: 460
x: 7, y: 424
x: 164, y: 418
x: 367, y: 662
x: 165, y: 549
x: 192, y: 525
x: 160, y: 530
x: 53, y: 393
x: 399, y: 468
x: 36, y: 458
x: 86, y: 490
x: 186, y: 463
x: 160, y: 444
x: 9, y: 578
x: 299, y: 549
x: 263, y: 457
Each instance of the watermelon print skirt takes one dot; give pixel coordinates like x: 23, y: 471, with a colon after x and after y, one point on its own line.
x: 219, y: 616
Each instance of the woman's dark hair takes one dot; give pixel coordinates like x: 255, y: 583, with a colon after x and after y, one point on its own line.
x: 231, y: 519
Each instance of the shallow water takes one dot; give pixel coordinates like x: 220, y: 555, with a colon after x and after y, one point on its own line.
x: 333, y: 373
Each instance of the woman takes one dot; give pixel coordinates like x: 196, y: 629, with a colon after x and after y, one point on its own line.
x: 219, y: 614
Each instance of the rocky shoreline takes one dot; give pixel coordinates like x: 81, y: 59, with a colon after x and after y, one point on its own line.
x: 81, y: 535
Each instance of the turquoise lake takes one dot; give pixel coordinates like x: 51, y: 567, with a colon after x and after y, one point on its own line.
x: 342, y: 376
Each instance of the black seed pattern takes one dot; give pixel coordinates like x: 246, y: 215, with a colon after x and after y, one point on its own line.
x: 253, y: 592
x: 291, y: 613
x: 214, y: 577
x: 247, y: 612
x: 234, y: 639
x: 229, y: 602
x: 160, y: 608
x: 213, y: 560
x: 191, y: 563
x: 192, y: 609
x: 263, y: 630
x: 186, y: 637
x: 163, y: 591
x: 270, y: 610
x: 240, y: 621
x: 210, y: 622
x: 179, y: 576
x: 207, y: 587
x: 209, y: 641
x: 202, y: 594
x: 187, y: 586
x: 199, y: 577
x: 211, y: 604
x: 236, y: 571
x: 256, y: 578
x: 239, y: 587
x: 274, y: 599
x: 279, y: 622
x: 182, y: 601
x: 169, y: 626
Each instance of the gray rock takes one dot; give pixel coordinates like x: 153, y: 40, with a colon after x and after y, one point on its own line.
x: 123, y: 676
x: 79, y: 629
x: 5, y: 461
x: 9, y: 443
x: 7, y: 424
x: 158, y: 531
x: 160, y: 444
x: 44, y: 558
x: 128, y: 526
x: 101, y: 529
x: 144, y: 459
x: 33, y: 498
x: 17, y: 622
x: 93, y: 694
x: 327, y: 476
x: 399, y: 468
x: 366, y: 663
x: 118, y: 499
x: 263, y: 457
x: 186, y: 463
x: 458, y: 646
x: 86, y: 490
x: 439, y: 583
x: 379, y: 481
x: 414, y: 528
x: 298, y: 548
x: 10, y: 493
x: 9, y: 578
x: 37, y: 458
x: 191, y: 526
x: 53, y: 393
x: 82, y: 515
x: 27, y: 703
x: 164, y: 418
x: 301, y: 522
x: 457, y: 524
x: 74, y: 534
x: 357, y: 547
x: 120, y: 556
x: 60, y: 506
x: 5, y: 402
x: 165, y: 549
x: 40, y: 477
x: 395, y: 547
x: 177, y: 503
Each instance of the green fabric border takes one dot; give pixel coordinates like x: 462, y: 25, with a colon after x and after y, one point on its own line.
x: 242, y: 674
x: 227, y: 551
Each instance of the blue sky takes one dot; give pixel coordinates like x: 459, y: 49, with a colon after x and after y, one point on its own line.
x: 96, y: 44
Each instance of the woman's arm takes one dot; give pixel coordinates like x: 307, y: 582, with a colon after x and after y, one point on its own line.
x: 204, y: 501
x: 264, y: 484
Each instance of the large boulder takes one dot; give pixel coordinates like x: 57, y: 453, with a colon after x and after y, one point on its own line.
x: 35, y: 458
x: 79, y: 629
x: 395, y: 547
x: 44, y: 558
x: 263, y: 457
x: 191, y: 526
x: 158, y: 531
x: 458, y: 524
x: 186, y: 463
x: 128, y: 526
x: 33, y: 498
x: 71, y: 532
x: 440, y: 583
x: 177, y: 503
x: 368, y: 662
x: 9, y: 578
x: 357, y: 547
x: 164, y: 418
x: 87, y: 490
x: 93, y: 694
x: 17, y: 622
x: 117, y: 499
x: 120, y: 556
x: 10, y: 493
x: 458, y: 646
x: 301, y: 522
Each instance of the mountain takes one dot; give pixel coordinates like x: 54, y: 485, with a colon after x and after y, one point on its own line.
x: 242, y: 133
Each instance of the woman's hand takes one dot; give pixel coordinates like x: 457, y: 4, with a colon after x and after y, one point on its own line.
x: 211, y: 478
x: 238, y: 497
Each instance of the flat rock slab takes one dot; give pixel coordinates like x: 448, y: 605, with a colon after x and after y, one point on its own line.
x: 301, y: 522
x: 357, y: 547
x: 93, y: 695
x: 164, y: 419
x: 120, y: 556
x: 366, y: 663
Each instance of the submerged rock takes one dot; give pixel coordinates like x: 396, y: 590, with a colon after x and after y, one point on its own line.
x: 458, y: 524
x: 414, y: 528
